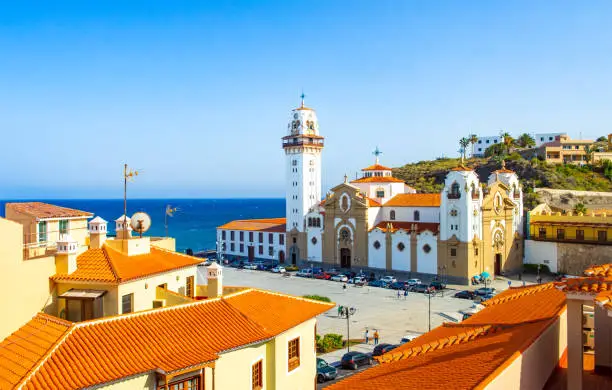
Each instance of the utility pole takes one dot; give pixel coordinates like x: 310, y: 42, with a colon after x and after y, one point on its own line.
x: 348, y: 312
x: 429, y: 310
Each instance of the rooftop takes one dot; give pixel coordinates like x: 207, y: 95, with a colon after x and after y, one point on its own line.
x: 42, y: 210
x: 376, y: 167
x: 414, y: 200
x: 265, y: 225
x: 108, y: 265
x: 41, y: 354
x: 378, y: 179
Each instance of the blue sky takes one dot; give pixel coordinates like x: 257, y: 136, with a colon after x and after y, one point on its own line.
x: 198, y: 94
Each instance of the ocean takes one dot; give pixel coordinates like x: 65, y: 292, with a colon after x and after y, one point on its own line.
x: 194, y: 223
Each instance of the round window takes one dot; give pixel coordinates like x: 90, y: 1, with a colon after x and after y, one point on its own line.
x: 401, y: 246
x: 314, y: 241
x: 376, y: 244
x: 426, y: 248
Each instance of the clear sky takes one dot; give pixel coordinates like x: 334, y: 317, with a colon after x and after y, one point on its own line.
x: 198, y: 94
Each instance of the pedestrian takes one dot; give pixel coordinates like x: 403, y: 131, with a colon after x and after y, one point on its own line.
x: 339, y: 310
x: 405, y: 294
x: 367, y: 336
x: 376, y: 335
x: 399, y: 294
x: 523, y: 283
x: 539, y: 280
x: 344, y: 286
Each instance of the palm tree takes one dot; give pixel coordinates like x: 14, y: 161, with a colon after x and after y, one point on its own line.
x: 473, y: 139
x: 526, y: 141
x: 507, y: 140
x: 580, y: 208
x: 588, y: 153
x: 464, y: 143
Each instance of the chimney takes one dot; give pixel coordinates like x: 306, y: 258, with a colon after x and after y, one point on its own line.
x: 215, y: 280
x: 123, y: 227
x: 97, y: 233
x: 66, y: 255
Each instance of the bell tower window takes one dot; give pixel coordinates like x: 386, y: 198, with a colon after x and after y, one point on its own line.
x: 454, y: 191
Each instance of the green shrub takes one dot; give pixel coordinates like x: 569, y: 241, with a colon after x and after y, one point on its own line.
x: 533, y: 268
x: 317, y: 298
x: 515, y: 157
x: 329, y: 342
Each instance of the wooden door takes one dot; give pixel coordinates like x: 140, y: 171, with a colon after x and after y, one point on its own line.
x: 251, y: 253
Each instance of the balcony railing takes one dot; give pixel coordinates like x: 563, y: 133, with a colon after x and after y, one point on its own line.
x: 287, y: 143
x: 453, y: 196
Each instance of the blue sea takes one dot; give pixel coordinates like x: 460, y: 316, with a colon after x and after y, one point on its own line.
x: 193, y: 225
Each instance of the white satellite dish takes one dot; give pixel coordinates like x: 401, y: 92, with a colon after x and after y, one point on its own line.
x: 140, y: 222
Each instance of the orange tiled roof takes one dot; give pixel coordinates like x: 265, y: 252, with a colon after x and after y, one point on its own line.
x: 461, y: 168
x: 598, y: 282
x: 108, y: 265
x: 378, y: 179
x: 396, y: 225
x: 45, y: 210
x: 264, y: 225
x: 373, y: 202
x: 503, y: 171
x: 599, y: 270
x: 376, y: 167
x: 63, y: 355
x: 414, y: 200
x: 479, y: 345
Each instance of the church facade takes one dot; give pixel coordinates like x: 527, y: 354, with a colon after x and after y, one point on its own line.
x: 378, y: 222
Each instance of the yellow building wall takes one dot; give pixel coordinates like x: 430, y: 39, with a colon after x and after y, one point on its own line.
x: 25, y: 288
x: 569, y: 223
x: 233, y: 369
x: 144, y: 290
x: 167, y: 243
x: 302, y: 377
x: 145, y: 382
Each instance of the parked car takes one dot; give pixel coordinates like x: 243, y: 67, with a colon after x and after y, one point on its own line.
x: 389, y: 279
x: 325, y: 372
x: 237, y: 264
x: 339, y: 278
x: 333, y: 272
x: 465, y: 294
x: 252, y: 266
x: 358, y: 281
x: 355, y: 359
x: 413, y: 282
x: 378, y: 283
x: 423, y: 288
x: 382, y: 349
x: 437, y: 285
x: 306, y: 273
x: 409, y: 337
x: 323, y: 275
x: 278, y: 270
x: 484, y: 291
x: 399, y: 285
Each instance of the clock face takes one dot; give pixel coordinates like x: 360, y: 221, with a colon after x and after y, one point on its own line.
x: 295, y: 116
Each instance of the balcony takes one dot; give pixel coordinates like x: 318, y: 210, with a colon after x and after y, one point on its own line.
x: 316, y: 142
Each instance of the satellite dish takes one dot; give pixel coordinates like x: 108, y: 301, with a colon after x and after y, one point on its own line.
x: 140, y: 222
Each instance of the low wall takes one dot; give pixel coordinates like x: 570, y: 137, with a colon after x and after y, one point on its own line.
x: 567, y: 258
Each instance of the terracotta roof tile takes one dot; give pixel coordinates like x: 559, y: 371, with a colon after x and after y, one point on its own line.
x: 461, y: 168
x: 599, y: 270
x: 378, y: 179
x: 373, y: 202
x: 45, y: 210
x: 414, y: 200
x: 376, y: 167
x: 111, y: 266
x: 396, y: 225
x: 264, y: 225
x: 168, y: 339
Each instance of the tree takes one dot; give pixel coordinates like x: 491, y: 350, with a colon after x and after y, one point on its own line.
x: 507, y: 140
x: 588, y: 153
x: 495, y: 150
x: 464, y: 143
x: 601, y: 139
x: 473, y: 139
x: 580, y: 208
x: 526, y: 141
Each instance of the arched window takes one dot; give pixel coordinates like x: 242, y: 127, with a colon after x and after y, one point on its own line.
x: 345, y: 203
x: 417, y: 215
x: 454, y: 192
x: 318, y: 222
x: 345, y: 235
x: 392, y: 215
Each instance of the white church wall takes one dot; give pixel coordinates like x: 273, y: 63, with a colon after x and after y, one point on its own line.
x: 427, y: 262
x: 406, y: 214
x: 315, y: 249
x: 400, y: 258
x: 374, y: 216
x: 377, y: 257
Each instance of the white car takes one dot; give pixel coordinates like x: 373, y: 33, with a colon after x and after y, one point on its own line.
x: 279, y: 270
x: 306, y: 273
x: 339, y: 278
x: 250, y: 266
x: 413, y: 282
x: 388, y: 279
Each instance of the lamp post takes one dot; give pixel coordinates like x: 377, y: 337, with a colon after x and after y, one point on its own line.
x: 429, y: 309
x: 348, y: 312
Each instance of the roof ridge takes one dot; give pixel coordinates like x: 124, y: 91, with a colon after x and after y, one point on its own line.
x: 110, y: 262
x: 521, y: 291
x: 331, y: 304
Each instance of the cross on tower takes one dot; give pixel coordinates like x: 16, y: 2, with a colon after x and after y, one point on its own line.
x: 302, y: 96
x: 377, y: 153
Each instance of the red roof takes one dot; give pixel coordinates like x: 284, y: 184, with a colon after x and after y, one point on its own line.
x: 52, y: 353
x: 414, y: 200
x: 376, y: 167
x: 378, y: 179
x: 261, y: 225
x: 45, y: 210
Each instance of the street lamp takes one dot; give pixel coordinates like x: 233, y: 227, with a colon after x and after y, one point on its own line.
x: 429, y: 308
x: 348, y: 312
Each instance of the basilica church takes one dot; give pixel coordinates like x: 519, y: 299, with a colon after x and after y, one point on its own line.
x: 378, y: 222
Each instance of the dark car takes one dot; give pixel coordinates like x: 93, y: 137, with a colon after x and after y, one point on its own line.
x: 325, y: 372
x: 353, y: 360
x: 421, y: 288
x: 437, y: 285
x: 466, y: 294
x: 399, y: 285
x: 378, y: 283
x: 484, y: 291
x: 382, y: 349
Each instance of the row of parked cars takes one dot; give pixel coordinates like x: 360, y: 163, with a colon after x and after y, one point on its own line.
x: 481, y: 294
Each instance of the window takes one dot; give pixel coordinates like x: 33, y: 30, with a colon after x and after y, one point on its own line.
x: 453, y: 213
x: 487, y: 141
x: 602, y: 236
x: 189, y: 287
x: 314, y: 241
x: 260, y: 237
x: 183, y: 384
x: 63, y: 226
x: 479, y: 141
x: 453, y: 252
x: 127, y: 304
x: 42, y: 231
x: 541, y: 138
x: 271, y: 251
x: 232, y: 247
x: 250, y: 236
x: 417, y: 215
x: 376, y: 245
x: 580, y: 234
x: 232, y: 235
x: 223, y: 234
x: 380, y: 193
x: 401, y: 247
x: 542, y: 233
x: 257, y: 375
x: 309, y: 222
x: 345, y: 235
x: 241, y: 236
x: 475, y: 251
x: 270, y: 238
x: 294, y: 240
x: 281, y: 239
x: 261, y: 250
x: 241, y: 248
x: 294, y: 163
x: 392, y: 215
x: 560, y: 234
x: 426, y: 248
x: 294, y: 354
x: 454, y: 192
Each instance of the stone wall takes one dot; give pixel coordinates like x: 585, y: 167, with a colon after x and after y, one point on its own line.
x: 573, y: 259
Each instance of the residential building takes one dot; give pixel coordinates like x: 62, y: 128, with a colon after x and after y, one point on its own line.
x: 542, y: 138
x: 480, y: 146
x: 378, y: 222
x: 566, y: 242
x: 564, y: 150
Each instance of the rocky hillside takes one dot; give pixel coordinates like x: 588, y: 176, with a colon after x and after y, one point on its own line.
x: 428, y: 176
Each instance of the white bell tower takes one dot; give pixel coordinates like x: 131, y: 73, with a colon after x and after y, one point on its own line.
x: 303, y: 146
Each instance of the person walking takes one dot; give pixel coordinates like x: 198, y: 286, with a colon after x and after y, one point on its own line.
x: 399, y: 294
x: 367, y: 336
x: 405, y: 294
x: 376, y: 335
x: 339, y: 310
x: 344, y: 287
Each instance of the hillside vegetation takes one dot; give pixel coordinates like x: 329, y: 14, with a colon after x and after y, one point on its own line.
x: 428, y: 176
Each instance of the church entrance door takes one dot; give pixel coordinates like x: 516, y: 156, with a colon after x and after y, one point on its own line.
x: 251, y: 253
x: 498, y: 258
x: 293, y: 258
x: 345, y: 258
x: 281, y: 257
